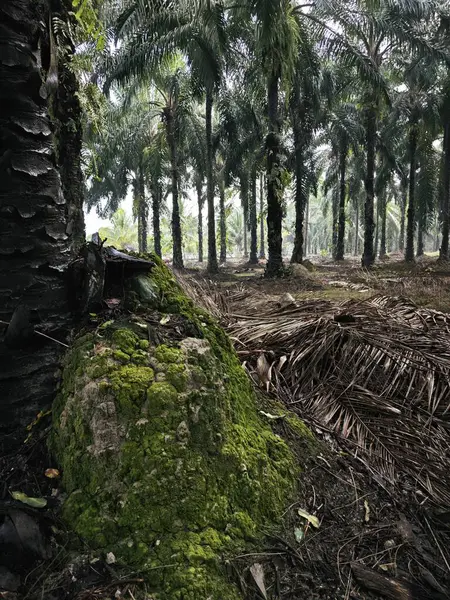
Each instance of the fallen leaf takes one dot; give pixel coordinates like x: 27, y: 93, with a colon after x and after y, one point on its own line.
x: 257, y: 572
x: 34, y: 502
x: 52, y: 473
x: 165, y: 319
x: 311, y: 518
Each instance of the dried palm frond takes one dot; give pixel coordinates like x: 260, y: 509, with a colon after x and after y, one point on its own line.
x: 375, y: 372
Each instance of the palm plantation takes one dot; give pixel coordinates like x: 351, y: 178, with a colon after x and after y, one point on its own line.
x: 239, y: 387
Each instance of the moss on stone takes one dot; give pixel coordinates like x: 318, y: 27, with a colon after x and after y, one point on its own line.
x: 172, y: 471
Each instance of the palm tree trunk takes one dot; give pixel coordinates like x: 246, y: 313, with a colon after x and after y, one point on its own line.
x: 35, y: 234
x: 420, y: 241
x: 199, y: 189
x: 243, y: 184
x: 383, y: 211
x: 143, y: 214
x: 262, y: 241
x: 297, y: 253
x: 335, y: 210
x: 253, y: 220
x: 357, y: 229
x: 274, y: 187
x: 411, y: 213
x: 404, y: 201
x: 223, y: 223
x: 244, y: 232
x: 377, y: 223
x: 213, y: 266
x: 306, y: 230
x: 177, y: 242
x: 156, y: 218
x: 443, y: 254
x: 368, y: 257
x: 342, y: 194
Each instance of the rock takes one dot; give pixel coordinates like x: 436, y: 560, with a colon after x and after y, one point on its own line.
x: 178, y: 469
x: 299, y: 270
x: 309, y: 265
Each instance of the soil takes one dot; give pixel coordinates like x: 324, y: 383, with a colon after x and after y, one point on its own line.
x: 351, y: 529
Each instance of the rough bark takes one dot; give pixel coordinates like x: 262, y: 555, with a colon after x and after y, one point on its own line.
x: 368, y: 257
x: 213, y: 266
x: 443, y: 254
x: 262, y: 241
x: 243, y: 185
x: 223, y: 222
x: 404, y: 201
x: 335, y: 209
x: 35, y: 232
x: 274, y: 187
x: 357, y: 230
x: 253, y: 220
x: 176, y: 222
x: 420, y: 240
x: 143, y: 214
x: 342, y: 194
x: 199, y: 190
x: 306, y: 230
x: 411, y: 213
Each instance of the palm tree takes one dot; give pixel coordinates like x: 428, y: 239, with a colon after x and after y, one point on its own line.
x: 39, y: 226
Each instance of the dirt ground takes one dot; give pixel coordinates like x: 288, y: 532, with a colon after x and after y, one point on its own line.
x: 354, y: 538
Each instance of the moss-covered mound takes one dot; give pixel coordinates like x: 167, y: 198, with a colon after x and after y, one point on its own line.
x: 166, y: 460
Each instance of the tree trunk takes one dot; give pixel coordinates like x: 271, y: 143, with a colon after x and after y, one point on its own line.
x: 306, y: 230
x: 443, y: 254
x: 143, y: 214
x: 404, y: 200
x: 342, y: 194
x: 35, y: 232
x: 243, y: 184
x: 274, y: 186
x: 177, y: 242
x: 199, y: 189
x: 297, y: 253
x: 253, y: 220
x: 156, y: 219
x: 420, y: 241
x: 377, y: 222
x: 368, y: 257
x: 383, y: 211
x: 213, y: 266
x: 335, y: 210
x: 357, y: 229
x: 223, y: 223
x: 262, y: 241
x: 411, y: 213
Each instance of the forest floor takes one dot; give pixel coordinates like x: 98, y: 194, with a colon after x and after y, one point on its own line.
x: 354, y: 538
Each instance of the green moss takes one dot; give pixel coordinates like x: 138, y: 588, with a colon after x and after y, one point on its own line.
x: 170, y: 475
x: 121, y: 356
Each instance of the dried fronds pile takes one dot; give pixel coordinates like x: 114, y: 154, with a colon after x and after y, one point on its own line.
x: 375, y: 373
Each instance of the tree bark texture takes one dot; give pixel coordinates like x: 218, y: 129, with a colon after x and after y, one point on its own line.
x: 357, y: 229
x: 383, y: 213
x: 143, y: 213
x: 274, y: 185
x: 213, y: 266
x: 253, y: 259
x: 297, y: 253
x: 368, y: 257
x: 243, y: 184
x: 404, y: 202
x: 37, y: 225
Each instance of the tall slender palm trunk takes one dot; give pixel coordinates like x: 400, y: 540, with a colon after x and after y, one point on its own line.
x: 356, y: 252
x: 403, y: 203
x: 36, y: 222
x: 156, y: 217
x: 342, y: 193
x: 177, y: 241
x: 143, y: 213
x: 253, y: 220
x: 443, y: 253
x: 274, y: 187
x: 213, y: 266
x: 297, y: 253
x: 368, y: 257
x: 262, y: 240
x: 243, y: 185
x: 199, y: 190
x: 411, y: 213
x: 222, y: 223
x: 383, y: 214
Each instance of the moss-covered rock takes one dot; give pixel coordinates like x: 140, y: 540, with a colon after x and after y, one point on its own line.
x: 165, y: 458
